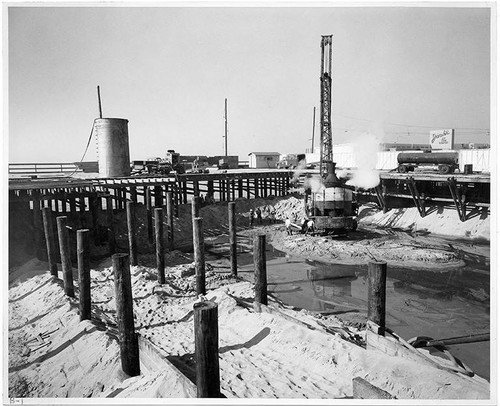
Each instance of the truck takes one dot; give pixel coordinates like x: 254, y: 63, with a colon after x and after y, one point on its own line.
x: 291, y: 161
x: 159, y: 166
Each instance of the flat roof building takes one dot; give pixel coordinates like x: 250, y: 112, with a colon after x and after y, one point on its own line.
x: 263, y: 159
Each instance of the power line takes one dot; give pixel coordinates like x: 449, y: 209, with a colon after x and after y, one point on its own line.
x: 410, y: 125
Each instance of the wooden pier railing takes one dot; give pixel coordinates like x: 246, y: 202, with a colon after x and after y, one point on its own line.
x: 49, y: 168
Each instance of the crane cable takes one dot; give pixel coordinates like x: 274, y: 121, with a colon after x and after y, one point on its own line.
x: 86, y: 149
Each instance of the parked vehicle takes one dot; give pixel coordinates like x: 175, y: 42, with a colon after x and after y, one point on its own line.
x: 291, y: 161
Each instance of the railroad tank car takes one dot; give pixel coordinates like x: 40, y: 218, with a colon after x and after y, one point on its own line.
x: 446, y: 162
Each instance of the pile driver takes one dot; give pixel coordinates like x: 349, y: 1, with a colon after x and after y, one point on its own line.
x: 332, y: 208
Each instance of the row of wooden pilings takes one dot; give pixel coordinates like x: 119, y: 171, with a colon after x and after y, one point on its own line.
x: 76, y: 204
x: 110, y: 230
x: 205, y: 312
x: 206, y: 330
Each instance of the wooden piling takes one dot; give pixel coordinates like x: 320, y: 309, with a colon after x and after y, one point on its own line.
x: 248, y: 188
x: 259, y: 260
x: 256, y: 187
x: 166, y: 188
x: 206, y: 336
x: 83, y: 254
x: 64, y: 202
x: 222, y: 190
x: 158, y: 196
x: 129, y: 345
x: 377, y: 274
x: 133, y: 194
x: 38, y: 226
x: 184, y: 192
x: 210, y: 188
x: 232, y: 238
x: 111, y: 227
x: 64, y: 247
x: 72, y: 206
x: 195, y: 207
x: 149, y: 214
x: 123, y: 198
x: 50, y: 240
x: 94, y: 212
x: 199, y: 255
x: 160, y: 250
x: 81, y: 212
x: 177, y: 199
x: 170, y: 221
x: 240, y: 188
x: 132, y: 237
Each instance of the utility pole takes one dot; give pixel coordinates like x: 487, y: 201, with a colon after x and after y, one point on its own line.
x: 314, y: 119
x: 225, y: 127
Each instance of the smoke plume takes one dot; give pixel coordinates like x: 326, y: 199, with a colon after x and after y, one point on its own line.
x: 365, y: 148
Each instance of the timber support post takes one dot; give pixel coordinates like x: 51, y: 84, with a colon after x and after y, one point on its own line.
x: 83, y: 254
x: 94, y: 213
x: 67, y: 271
x: 160, y: 251
x: 132, y: 237
x: 232, y: 238
x: 158, y: 196
x: 199, y: 255
x: 259, y: 260
x: 418, y: 199
x: 50, y: 240
x: 206, y: 338
x: 149, y: 217
x: 129, y: 344
x: 111, y: 226
x: 37, y: 226
x: 195, y: 207
x: 170, y: 221
x: 377, y: 274
x: 459, y: 198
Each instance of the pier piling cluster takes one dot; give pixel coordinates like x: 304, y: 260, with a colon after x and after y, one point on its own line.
x: 205, y: 311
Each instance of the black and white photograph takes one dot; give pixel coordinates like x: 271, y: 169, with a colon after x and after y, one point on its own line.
x: 249, y: 202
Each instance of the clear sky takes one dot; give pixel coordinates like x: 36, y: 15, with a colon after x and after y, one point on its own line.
x: 167, y: 70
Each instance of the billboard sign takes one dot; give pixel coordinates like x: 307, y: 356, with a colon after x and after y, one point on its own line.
x: 442, y: 139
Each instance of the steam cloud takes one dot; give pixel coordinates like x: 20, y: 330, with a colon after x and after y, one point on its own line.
x: 365, y: 148
x: 301, y: 166
x: 314, y: 183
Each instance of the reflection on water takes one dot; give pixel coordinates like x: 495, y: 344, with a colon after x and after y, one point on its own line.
x: 419, y: 302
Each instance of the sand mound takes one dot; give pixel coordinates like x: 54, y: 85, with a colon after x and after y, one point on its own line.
x: 443, y: 221
x: 275, y: 353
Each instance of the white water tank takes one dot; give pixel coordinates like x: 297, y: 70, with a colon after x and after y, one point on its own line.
x: 112, y: 147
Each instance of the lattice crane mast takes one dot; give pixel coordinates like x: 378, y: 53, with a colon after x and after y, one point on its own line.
x: 326, y: 152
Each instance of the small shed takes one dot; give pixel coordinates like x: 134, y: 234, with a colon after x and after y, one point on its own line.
x: 263, y: 159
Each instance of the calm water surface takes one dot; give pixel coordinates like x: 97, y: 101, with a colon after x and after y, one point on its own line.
x: 419, y: 302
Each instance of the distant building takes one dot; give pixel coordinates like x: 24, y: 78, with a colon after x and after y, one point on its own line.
x: 394, y: 146
x: 263, y: 159
x: 230, y: 160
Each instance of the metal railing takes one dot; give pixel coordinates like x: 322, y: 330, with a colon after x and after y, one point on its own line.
x: 44, y: 168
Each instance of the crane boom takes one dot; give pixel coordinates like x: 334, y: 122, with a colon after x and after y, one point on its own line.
x: 326, y: 152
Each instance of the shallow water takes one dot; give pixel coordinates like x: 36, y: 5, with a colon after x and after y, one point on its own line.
x: 419, y: 302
